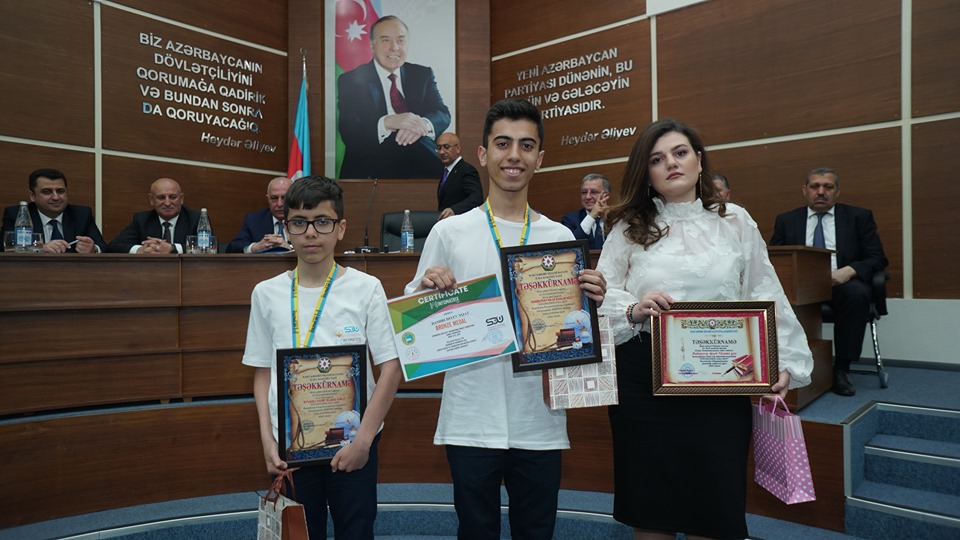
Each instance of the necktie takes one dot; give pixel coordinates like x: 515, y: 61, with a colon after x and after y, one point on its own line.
x: 444, y: 177
x: 818, y: 240
x: 166, y: 233
x: 396, y: 99
x: 55, y: 235
x: 280, y: 230
x: 598, y: 230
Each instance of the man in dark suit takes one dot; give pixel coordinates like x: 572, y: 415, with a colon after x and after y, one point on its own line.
x: 459, y: 189
x: 66, y: 228
x: 262, y: 230
x: 852, y: 233
x: 390, y: 111
x: 161, y: 230
x: 587, y: 223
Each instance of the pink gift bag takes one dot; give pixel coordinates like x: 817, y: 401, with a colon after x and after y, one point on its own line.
x: 780, y: 455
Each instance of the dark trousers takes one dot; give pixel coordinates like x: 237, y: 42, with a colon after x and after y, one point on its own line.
x: 851, y: 313
x: 352, y: 498
x: 532, y: 479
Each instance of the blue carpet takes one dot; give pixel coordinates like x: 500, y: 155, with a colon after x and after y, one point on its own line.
x: 908, y: 386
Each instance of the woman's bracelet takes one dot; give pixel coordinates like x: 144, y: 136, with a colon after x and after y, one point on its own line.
x: 630, y: 318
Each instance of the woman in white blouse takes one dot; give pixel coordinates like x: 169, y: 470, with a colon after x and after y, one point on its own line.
x: 680, y: 461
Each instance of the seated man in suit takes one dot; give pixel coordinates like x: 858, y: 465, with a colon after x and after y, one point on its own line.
x: 161, y: 230
x: 587, y: 222
x: 723, y: 186
x: 66, y: 228
x: 852, y: 233
x: 459, y: 189
x: 390, y: 111
x: 262, y: 229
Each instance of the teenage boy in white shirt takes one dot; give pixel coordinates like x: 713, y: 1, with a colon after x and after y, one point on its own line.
x: 493, y: 421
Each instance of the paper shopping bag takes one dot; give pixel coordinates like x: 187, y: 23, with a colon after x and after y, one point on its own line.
x: 588, y: 385
x: 780, y: 454
x: 280, y: 517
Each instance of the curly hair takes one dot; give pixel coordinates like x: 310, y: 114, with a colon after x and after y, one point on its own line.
x: 636, y: 208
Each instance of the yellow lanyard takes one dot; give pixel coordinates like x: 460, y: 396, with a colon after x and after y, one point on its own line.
x: 295, y: 306
x: 524, y: 233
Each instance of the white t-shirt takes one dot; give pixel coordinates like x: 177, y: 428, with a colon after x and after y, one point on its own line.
x: 486, y: 404
x: 355, y: 313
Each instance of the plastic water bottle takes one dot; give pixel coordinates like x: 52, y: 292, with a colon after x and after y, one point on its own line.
x: 204, y: 232
x: 24, y: 229
x: 406, y: 233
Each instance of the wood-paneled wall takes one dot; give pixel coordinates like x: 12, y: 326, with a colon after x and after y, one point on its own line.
x: 780, y: 88
x: 114, y: 150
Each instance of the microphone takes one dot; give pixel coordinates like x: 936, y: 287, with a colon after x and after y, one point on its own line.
x: 366, y: 247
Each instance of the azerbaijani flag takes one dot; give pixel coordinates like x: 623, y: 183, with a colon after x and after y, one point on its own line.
x: 299, y: 165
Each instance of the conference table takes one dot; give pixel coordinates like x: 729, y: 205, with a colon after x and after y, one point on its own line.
x: 121, y: 381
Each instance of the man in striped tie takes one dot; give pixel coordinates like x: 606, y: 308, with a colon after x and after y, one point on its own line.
x: 858, y: 254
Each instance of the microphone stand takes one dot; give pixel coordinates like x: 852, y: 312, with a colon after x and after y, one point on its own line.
x: 366, y: 247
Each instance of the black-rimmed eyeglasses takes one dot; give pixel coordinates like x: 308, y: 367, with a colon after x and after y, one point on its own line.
x: 323, y: 225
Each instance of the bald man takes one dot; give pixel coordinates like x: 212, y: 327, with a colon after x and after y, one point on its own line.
x: 459, y: 190
x: 163, y: 229
x: 262, y: 230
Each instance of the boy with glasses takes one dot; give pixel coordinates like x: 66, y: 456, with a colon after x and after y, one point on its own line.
x: 336, y: 306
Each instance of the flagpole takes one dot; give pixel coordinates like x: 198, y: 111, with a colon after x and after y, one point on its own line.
x: 298, y: 164
x: 303, y: 60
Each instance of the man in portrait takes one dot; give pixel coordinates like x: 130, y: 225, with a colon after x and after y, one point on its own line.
x: 390, y: 111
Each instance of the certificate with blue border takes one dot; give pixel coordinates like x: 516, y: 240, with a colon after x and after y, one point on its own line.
x: 321, y: 396
x: 555, y: 323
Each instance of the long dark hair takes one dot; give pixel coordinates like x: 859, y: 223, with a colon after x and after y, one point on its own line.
x: 636, y: 207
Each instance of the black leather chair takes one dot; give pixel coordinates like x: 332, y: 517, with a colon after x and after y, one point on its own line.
x: 878, y: 308
x: 391, y: 222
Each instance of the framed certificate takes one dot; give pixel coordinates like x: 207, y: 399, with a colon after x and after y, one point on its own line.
x: 321, y: 395
x: 555, y: 323
x: 706, y: 348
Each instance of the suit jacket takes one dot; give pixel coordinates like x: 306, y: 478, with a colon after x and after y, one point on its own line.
x: 462, y: 190
x: 256, y: 224
x: 572, y: 221
x: 361, y: 103
x: 77, y: 221
x: 858, y: 245
x: 147, y: 224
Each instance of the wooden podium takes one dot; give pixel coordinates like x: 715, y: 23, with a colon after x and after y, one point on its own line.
x: 804, y: 273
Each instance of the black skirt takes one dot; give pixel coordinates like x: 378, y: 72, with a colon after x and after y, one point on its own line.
x: 679, y: 462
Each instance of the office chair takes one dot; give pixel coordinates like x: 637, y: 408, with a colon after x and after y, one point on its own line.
x: 390, y: 223
x: 878, y: 308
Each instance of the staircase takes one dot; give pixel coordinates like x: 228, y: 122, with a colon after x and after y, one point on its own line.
x: 904, y: 474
